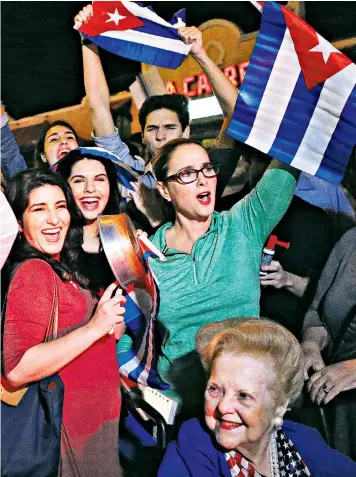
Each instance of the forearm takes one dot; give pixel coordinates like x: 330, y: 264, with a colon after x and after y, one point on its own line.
x: 223, y: 140
x: 97, y: 91
x: 276, y: 164
x: 351, y: 365
x: 266, y: 204
x: 48, y: 358
x: 296, y: 284
x: 225, y: 91
x: 315, y: 337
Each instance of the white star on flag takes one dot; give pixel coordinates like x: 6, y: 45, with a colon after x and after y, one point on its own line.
x: 115, y: 17
x: 325, y: 48
x: 180, y: 23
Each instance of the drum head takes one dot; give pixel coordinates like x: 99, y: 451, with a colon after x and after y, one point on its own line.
x: 118, y: 238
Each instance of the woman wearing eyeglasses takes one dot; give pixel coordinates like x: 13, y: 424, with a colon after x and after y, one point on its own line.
x: 213, y: 259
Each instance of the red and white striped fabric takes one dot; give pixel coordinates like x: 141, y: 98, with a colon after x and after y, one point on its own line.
x: 239, y: 466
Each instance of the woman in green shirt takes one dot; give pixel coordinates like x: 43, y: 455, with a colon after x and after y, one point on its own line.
x: 213, y: 259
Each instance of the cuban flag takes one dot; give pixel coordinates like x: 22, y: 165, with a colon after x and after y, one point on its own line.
x: 128, y: 29
x: 139, y: 363
x: 298, y: 99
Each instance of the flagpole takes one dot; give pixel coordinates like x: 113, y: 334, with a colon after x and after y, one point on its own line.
x: 257, y: 5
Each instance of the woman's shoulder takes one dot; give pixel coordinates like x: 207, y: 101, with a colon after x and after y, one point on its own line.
x: 34, y: 266
x: 33, y: 277
x: 321, y: 459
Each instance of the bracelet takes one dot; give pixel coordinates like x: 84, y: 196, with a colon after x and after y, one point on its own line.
x: 86, y: 41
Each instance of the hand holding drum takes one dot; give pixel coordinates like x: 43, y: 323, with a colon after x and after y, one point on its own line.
x: 109, y: 312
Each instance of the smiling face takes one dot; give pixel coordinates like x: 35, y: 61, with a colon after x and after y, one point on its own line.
x: 46, y: 219
x: 196, y: 200
x: 90, y: 186
x: 162, y: 126
x: 239, y: 406
x: 59, y: 140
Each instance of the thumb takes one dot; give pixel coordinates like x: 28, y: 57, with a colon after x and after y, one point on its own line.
x: 307, y: 367
x: 318, y: 366
x: 108, y: 292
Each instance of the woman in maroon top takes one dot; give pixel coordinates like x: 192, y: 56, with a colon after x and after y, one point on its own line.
x: 84, y: 354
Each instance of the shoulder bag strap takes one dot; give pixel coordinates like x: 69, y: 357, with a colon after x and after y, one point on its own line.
x: 52, y: 329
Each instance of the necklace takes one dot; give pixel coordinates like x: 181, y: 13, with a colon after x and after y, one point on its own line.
x: 273, y: 455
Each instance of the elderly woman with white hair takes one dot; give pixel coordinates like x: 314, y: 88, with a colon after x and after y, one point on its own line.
x: 255, y: 370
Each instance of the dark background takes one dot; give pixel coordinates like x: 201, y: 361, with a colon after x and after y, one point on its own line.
x: 41, y: 54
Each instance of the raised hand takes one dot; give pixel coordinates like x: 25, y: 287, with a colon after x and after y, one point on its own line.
x: 146, y: 203
x: 136, y: 196
x: 192, y: 36
x: 84, y: 15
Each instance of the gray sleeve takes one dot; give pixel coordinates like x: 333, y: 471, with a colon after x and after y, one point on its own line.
x: 312, y: 317
x: 114, y: 144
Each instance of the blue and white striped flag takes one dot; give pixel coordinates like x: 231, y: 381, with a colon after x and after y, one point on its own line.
x: 139, y: 363
x: 128, y: 29
x: 298, y: 99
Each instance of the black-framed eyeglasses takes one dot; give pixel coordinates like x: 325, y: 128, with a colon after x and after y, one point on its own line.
x: 186, y: 176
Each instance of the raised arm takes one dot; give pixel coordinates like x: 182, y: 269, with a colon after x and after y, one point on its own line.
x: 224, y: 90
x: 106, y: 134
x: 95, y: 83
x: 265, y: 205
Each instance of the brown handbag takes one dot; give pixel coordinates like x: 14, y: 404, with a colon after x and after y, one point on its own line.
x: 12, y: 396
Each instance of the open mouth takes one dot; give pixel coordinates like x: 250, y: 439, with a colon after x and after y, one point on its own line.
x: 63, y: 153
x: 52, y: 235
x: 90, y: 203
x: 204, y: 198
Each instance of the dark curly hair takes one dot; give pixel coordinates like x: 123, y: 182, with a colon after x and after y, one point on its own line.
x: 17, y: 193
x: 174, y: 102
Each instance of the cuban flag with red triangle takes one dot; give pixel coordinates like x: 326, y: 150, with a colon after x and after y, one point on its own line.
x: 130, y: 30
x: 298, y: 99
